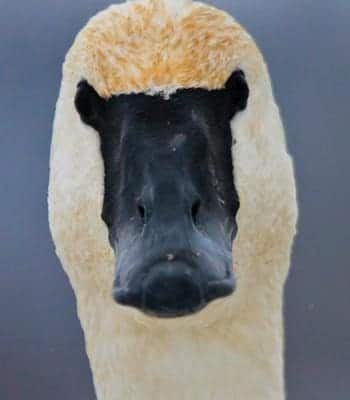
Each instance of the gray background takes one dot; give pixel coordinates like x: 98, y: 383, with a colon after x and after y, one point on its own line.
x: 306, y: 43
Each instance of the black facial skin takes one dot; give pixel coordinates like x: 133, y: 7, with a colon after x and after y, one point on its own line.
x: 170, y: 202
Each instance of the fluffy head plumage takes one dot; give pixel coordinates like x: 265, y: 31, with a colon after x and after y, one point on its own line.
x: 159, y: 46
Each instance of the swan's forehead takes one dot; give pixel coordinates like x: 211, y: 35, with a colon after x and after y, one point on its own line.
x: 145, y: 47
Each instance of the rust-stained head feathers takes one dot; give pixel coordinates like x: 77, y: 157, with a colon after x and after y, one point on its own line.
x: 152, y: 46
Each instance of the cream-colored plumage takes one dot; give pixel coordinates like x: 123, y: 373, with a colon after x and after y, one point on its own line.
x: 233, y: 349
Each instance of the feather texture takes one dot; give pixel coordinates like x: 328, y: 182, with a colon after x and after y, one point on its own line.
x: 233, y: 349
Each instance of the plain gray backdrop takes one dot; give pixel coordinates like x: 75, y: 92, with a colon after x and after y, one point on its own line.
x: 306, y: 44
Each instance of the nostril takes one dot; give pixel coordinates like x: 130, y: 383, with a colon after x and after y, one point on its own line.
x: 195, y: 210
x: 142, y: 212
